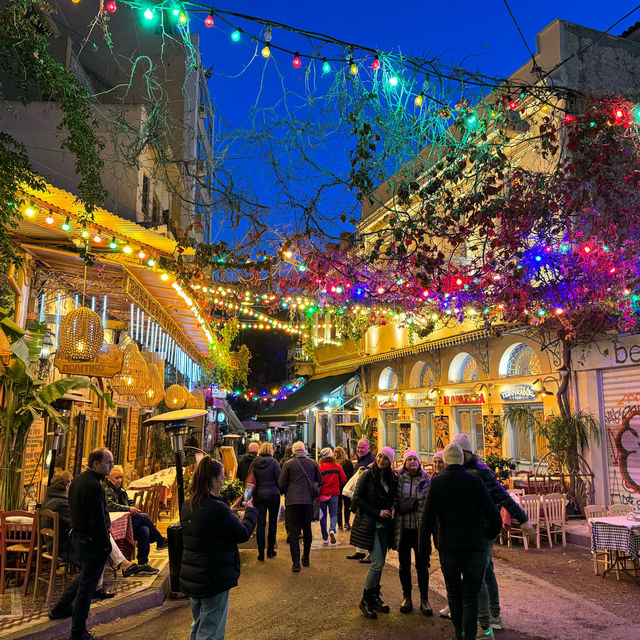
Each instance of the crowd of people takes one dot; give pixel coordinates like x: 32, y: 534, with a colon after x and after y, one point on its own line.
x: 457, y: 507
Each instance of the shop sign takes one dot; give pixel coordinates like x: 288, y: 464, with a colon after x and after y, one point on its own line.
x: 387, y: 404
x: 518, y: 393
x: 132, y: 435
x: 464, y: 398
x: 106, y: 364
x: 33, y: 450
x: 421, y: 401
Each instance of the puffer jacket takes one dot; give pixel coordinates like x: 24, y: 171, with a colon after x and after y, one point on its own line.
x: 368, y: 500
x: 210, y: 536
x: 415, y: 486
x: 266, y: 473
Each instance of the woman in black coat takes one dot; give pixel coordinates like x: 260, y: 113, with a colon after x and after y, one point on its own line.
x: 344, y: 503
x: 210, y: 559
x: 266, y: 497
x: 373, y: 525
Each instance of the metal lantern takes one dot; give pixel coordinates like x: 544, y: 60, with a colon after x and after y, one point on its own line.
x: 155, y: 391
x: 175, y: 397
x: 80, y: 336
x: 5, y: 349
x: 133, y: 379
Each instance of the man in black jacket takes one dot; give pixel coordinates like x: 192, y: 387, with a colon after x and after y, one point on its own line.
x: 467, y: 520
x: 90, y: 539
x: 144, y: 531
x: 365, y: 458
x: 247, y: 460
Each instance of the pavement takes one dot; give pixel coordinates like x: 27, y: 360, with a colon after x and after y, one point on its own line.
x: 323, y: 601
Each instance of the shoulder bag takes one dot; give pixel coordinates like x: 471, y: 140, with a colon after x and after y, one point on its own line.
x: 314, y: 489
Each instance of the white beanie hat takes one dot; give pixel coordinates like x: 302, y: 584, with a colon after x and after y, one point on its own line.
x: 438, y: 454
x: 327, y: 452
x: 409, y: 452
x: 389, y: 452
x: 453, y: 454
x: 462, y: 440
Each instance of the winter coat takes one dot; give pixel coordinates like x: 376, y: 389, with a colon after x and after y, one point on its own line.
x: 333, y: 477
x: 364, y: 462
x: 117, y: 499
x: 244, y: 465
x: 497, y: 492
x: 210, y: 536
x: 417, y: 487
x: 467, y: 517
x: 368, y: 500
x: 89, y: 516
x: 347, y: 467
x: 293, y: 482
x: 266, y: 472
x: 57, y: 500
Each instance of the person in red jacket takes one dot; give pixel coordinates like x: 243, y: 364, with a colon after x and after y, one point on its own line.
x: 333, y: 477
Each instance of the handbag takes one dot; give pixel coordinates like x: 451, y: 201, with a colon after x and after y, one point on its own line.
x: 314, y: 488
x: 315, y: 514
x: 350, y: 488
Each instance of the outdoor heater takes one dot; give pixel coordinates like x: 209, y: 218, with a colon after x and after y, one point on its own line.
x: 176, y: 426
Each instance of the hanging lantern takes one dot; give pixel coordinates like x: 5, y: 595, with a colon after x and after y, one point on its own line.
x: 133, y: 379
x: 192, y: 402
x: 80, y: 335
x: 200, y: 399
x: 175, y: 396
x: 155, y: 391
x: 5, y: 349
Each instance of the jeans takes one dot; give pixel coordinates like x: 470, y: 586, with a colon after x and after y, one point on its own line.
x: 298, y: 517
x: 209, y: 617
x: 344, y: 506
x: 463, y: 573
x: 144, y: 532
x: 409, y: 541
x: 378, y: 557
x: 488, y: 597
x: 271, y: 507
x: 330, y: 505
x: 80, y: 591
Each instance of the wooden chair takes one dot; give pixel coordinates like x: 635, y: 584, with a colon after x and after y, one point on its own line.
x: 555, y: 515
x: 521, y: 480
x: 531, y: 506
x: 599, y: 555
x: 17, y: 539
x: 619, y: 509
x: 47, y: 550
x: 138, y: 498
x: 517, y: 492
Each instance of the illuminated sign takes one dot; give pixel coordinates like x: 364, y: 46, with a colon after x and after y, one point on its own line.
x: 517, y: 393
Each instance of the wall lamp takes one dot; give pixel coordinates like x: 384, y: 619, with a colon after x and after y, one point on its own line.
x: 543, y: 390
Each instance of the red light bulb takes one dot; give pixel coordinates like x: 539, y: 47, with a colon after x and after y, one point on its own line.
x: 111, y: 6
x: 208, y: 21
x: 296, y: 61
x: 568, y: 118
x: 375, y: 65
x: 513, y: 104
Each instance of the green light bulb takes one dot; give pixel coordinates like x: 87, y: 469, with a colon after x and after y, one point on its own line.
x: 66, y: 226
x: 326, y: 67
x: 393, y: 81
x: 235, y: 36
x: 148, y: 14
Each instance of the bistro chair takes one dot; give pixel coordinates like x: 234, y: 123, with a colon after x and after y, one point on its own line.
x: 619, y: 509
x: 47, y: 550
x: 531, y: 506
x: 555, y: 513
x: 17, y: 541
x: 599, y: 555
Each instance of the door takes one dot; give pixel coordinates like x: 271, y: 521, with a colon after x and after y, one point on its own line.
x: 470, y: 423
x: 426, y: 432
x: 391, y: 429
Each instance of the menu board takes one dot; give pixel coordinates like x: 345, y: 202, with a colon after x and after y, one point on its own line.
x: 132, y: 440
x: 33, y: 453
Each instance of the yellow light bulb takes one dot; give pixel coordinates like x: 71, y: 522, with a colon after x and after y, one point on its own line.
x: 353, y: 69
x: 29, y: 212
x: 164, y: 277
x: 418, y: 100
x: 266, y: 51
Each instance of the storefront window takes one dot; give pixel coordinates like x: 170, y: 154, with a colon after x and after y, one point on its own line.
x: 523, y: 361
x: 529, y: 446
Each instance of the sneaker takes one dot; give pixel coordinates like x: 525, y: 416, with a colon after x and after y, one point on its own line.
x: 131, y: 570
x: 332, y: 537
x: 147, y: 570
x: 496, y: 622
x: 445, y: 613
x: 163, y: 544
x: 485, y: 634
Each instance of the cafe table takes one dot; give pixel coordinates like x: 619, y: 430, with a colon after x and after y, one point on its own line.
x: 122, y: 532
x: 619, y: 535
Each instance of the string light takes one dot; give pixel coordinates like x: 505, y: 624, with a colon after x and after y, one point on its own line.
x: 111, y: 6
x: 419, y: 99
x: 326, y: 67
x: 208, y: 21
x: 113, y: 244
x: 97, y: 239
x: 266, y: 51
x: 29, y: 212
x: 65, y: 225
x: 49, y: 219
x: 296, y: 61
x: 148, y: 14
x: 235, y: 35
x: 375, y: 65
x: 353, y: 67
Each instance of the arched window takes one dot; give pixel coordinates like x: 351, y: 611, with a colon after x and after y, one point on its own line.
x: 427, y: 378
x: 464, y: 368
x: 388, y: 380
x: 520, y: 360
x: 421, y: 376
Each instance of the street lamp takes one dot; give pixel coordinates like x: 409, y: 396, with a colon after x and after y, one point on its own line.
x: 45, y: 355
x: 543, y: 390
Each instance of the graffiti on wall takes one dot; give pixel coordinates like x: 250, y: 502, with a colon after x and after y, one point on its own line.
x: 623, y: 449
x: 492, y: 435
x: 441, y: 427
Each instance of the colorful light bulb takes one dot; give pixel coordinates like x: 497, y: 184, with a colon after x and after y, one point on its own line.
x: 418, y: 100
x: 393, y: 81
x: 111, y: 6
x: 29, y: 212
x: 513, y: 105
x: 353, y: 68
x: 164, y: 277
x: 375, y: 65
x: 235, y: 36
x: 151, y: 262
x: 49, y: 219
x: 97, y: 238
x: 182, y: 18
x: 176, y: 10
x: 142, y: 255
x: 326, y: 67
x: 297, y: 63
x: 113, y: 244
x: 65, y: 225
x: 148, y: 14
x: 85, y: 233
x: 208, y: 21
x: 266, y: 51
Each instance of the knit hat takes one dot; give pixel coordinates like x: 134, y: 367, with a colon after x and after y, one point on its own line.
x: 327, y: 452
x: 462, y: 440
x: 298, y: 446
x: 453, y: 454
x: 438, y: 454
x: 389, y: 452
x: 408, y: 453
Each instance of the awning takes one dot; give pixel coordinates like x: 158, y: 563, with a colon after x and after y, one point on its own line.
x: 235, y: 426
x: 312, y: 392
